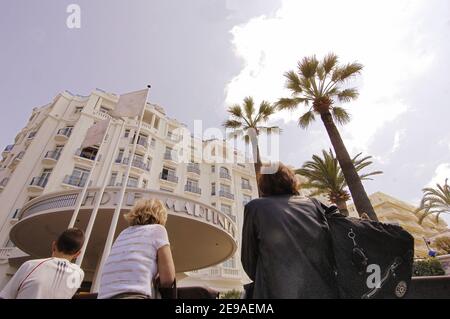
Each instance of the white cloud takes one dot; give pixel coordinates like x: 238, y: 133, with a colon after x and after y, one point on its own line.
x: 384, y: 35
x: 440, y: 174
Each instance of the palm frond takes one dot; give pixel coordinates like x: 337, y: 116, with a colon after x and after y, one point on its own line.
x: 289, y: 103
x: 293, y: 82
x: 234, y: 124
x: 249, y: 108
x: 306, y: 119
x: 308, y: 66
x: 329, y: 62
x: 235, y: 110
x: 347, y: 95
x: 350, y: 70
x: 340, y: 115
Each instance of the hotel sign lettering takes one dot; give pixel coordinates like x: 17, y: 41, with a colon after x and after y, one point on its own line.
x: 175, y: 204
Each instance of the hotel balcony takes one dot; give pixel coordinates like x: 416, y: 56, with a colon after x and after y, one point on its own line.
x: 226, y: 195
x: 246, y: 186
x: 192, y: 189
x: 225, y: 175
x: 170, y: 156
x: 169, y: 178
x: 173, y: 137
x: 19, y: 157
x: 7, y: 150
x: 218, y: 272
x: 7, y: 253
x: 142, y: 144
x: 193, y: 168
x: 87, y: 153
x: 63, y: 134
x: 38, y: 183
x: 137, y: 163
x: 74, y: 181
x: 51, y: 157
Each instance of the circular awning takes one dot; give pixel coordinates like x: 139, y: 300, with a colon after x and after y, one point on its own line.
x: 200, y: 235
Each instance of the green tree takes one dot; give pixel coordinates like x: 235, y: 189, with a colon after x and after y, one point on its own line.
x: 324, y: 176
x: 231, y: 294
x: 245, y: 120
x: 319, y: 86
x: 435, y: 201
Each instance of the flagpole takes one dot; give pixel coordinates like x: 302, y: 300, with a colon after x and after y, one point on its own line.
x: 90, y: 226
x: 115, y: 218
x: 86, y: 186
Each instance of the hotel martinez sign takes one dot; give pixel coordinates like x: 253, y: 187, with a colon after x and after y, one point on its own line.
x: 176, y: 205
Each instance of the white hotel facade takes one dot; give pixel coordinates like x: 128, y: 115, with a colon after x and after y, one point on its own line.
x: 43, y: 172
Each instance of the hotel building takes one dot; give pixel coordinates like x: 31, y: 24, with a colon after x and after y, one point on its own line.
x: 43, y: 172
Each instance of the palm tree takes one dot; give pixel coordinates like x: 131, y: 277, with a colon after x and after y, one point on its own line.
x: 318, y: 85
x: 435, y: 201
x: 325, y: 176
x: 246, y: 121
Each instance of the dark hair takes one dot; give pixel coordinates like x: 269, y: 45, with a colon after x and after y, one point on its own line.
x: 283, y: 182
x: 70, y: 241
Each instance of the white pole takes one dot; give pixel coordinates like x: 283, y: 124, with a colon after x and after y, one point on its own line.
x: 86, y: 186
x: 87, y: 233
x: 115, y: 218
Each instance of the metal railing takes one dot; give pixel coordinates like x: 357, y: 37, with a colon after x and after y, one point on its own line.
x: 169, y: 156
x: 192, y: 189
x: 142, y: 141
x: 39, y: 181
x: 193, y: 168
x: 53, y: 155
x: 173, y: 137
x: 169, y: 177
x: 86, y: 154
x: 138, y: 163
x: 225, y: 175
x: 226, y: 194
x: 75, y: 181
x: 246, y: 186
x: 67, y: 131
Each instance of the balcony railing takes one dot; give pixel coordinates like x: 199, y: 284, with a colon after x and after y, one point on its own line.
x: 246, y: 186
x: 40, y: 181
x: 193, y: 168
x: 142, y: 142
x: 225, y: 175
x: 173, y: 137
x: 86, y: 154
x: 67, y: 131
x: 53, y: 155
x: 20, y: 155
x: 138, y: 163
x: 169, y: 156
x: 32, y: 135
x: 169, y: 177
x: 75, y: 181
x: 192, y: 189
x: 226, y: 194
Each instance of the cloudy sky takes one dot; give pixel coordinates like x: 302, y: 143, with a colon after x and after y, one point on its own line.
x: 202, y: 55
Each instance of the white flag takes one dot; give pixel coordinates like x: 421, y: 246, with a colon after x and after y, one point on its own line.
x: 130, y: 104
x: 95, y: 134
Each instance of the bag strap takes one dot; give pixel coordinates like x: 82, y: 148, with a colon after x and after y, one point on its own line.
x: 36, y: 267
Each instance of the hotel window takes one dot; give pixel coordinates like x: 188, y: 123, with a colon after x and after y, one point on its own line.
x: 78, y: 109
x: 104, y: 109
x: 120, y: 156
x: 156, y: 124
x: 192, y: 183
x: 132, y: 181
x: 213, y: 188
x: 127, y: 133
x: 112, y: 181
x: 247, y: 199
x: 167, y: 171
x: 153, y: 143
x: 213, y: 168
x: 226, y: 209
x: 245, y: 182
x: 213, y: 204
x: 225, y: 188
x: 32, y: 134
x: 144, y: 184
x: 79, y: 177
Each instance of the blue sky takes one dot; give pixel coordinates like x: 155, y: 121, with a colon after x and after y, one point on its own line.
x: 202, y: 55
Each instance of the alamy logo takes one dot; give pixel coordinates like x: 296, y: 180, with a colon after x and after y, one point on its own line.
x: 374, y: 279
x: 74, y: 19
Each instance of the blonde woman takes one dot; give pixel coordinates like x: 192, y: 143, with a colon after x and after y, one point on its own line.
x: 139, y: 253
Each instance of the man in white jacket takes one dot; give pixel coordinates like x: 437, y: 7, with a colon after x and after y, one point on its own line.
x: 51, y: 278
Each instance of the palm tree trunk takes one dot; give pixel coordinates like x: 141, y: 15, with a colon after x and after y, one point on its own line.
x: 359, y: 195
x: 342, y: 206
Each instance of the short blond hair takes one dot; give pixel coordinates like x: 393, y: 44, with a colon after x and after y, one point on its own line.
x: 146, y: 212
